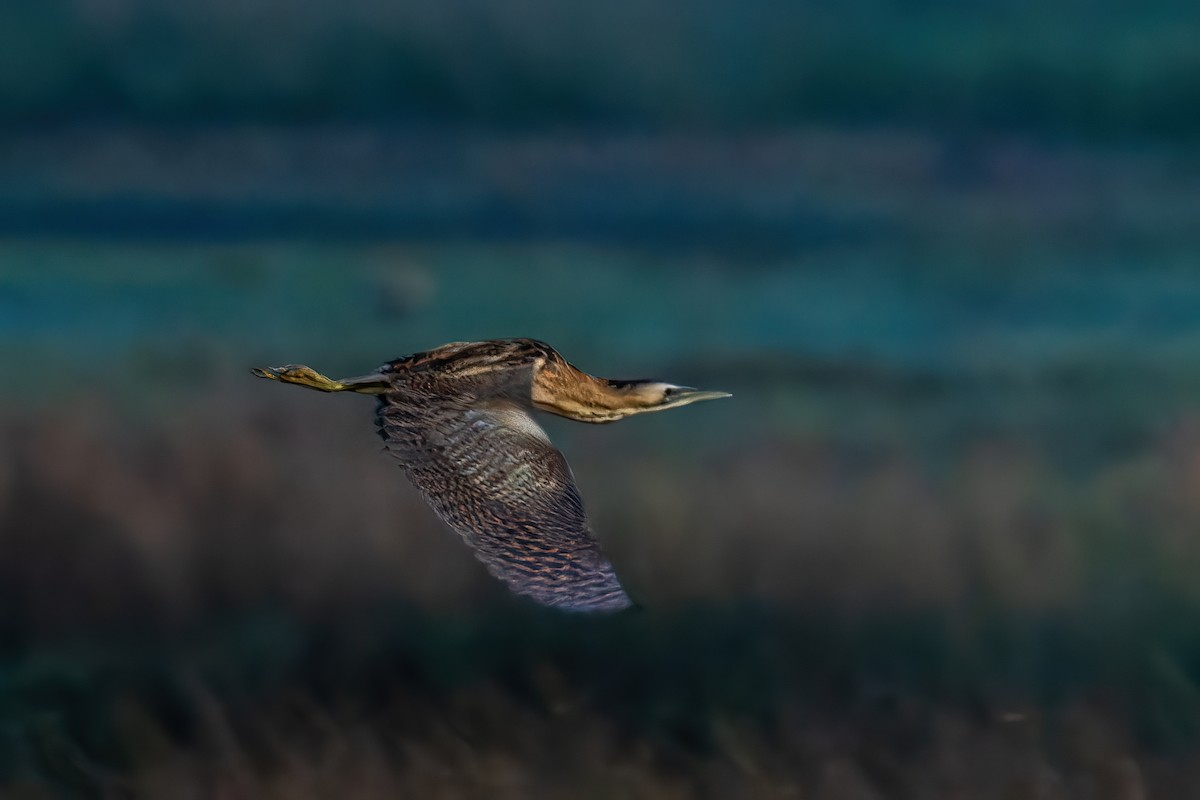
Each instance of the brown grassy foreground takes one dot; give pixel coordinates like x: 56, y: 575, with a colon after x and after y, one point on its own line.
x: 247, y: 601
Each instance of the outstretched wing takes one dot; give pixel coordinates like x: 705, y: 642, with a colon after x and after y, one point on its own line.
x: 491, y: 473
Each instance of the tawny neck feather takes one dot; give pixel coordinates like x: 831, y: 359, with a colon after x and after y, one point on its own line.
x: 561, y: 389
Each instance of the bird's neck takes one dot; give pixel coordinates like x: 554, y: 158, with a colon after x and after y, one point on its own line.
x: 574, y: 394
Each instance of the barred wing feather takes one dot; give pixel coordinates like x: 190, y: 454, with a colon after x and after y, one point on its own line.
x: 490, y: 472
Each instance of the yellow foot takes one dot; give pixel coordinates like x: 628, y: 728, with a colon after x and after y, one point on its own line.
x: 307, y: 376
x: 301, y: 376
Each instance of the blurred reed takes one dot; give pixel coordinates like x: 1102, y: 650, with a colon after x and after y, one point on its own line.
x: 245, y: 599
x: 234, y: 499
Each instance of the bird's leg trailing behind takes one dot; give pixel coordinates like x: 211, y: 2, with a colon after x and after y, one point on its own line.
x: 309, y: 377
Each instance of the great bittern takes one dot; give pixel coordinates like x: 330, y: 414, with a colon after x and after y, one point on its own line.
x: 458, y: 419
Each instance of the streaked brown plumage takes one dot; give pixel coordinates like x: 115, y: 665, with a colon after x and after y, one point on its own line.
x: 458, y: 420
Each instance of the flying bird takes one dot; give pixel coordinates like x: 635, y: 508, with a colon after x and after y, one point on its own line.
x: 459, y: 420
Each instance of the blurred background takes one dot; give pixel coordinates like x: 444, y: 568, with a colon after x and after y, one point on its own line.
x: 942, y: 542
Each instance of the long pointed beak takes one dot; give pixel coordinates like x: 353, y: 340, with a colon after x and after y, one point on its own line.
x: 685, y: 395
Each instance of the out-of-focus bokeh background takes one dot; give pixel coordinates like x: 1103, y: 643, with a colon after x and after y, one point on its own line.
x: 943, y: 542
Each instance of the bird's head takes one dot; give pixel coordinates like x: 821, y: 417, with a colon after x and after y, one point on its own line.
x: 564, y: 390
x: 646, y: 396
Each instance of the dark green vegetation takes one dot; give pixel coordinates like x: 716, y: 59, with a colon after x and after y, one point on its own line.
x: 941, y: 543
x: 941, y: 540
x: 1095, y: 69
